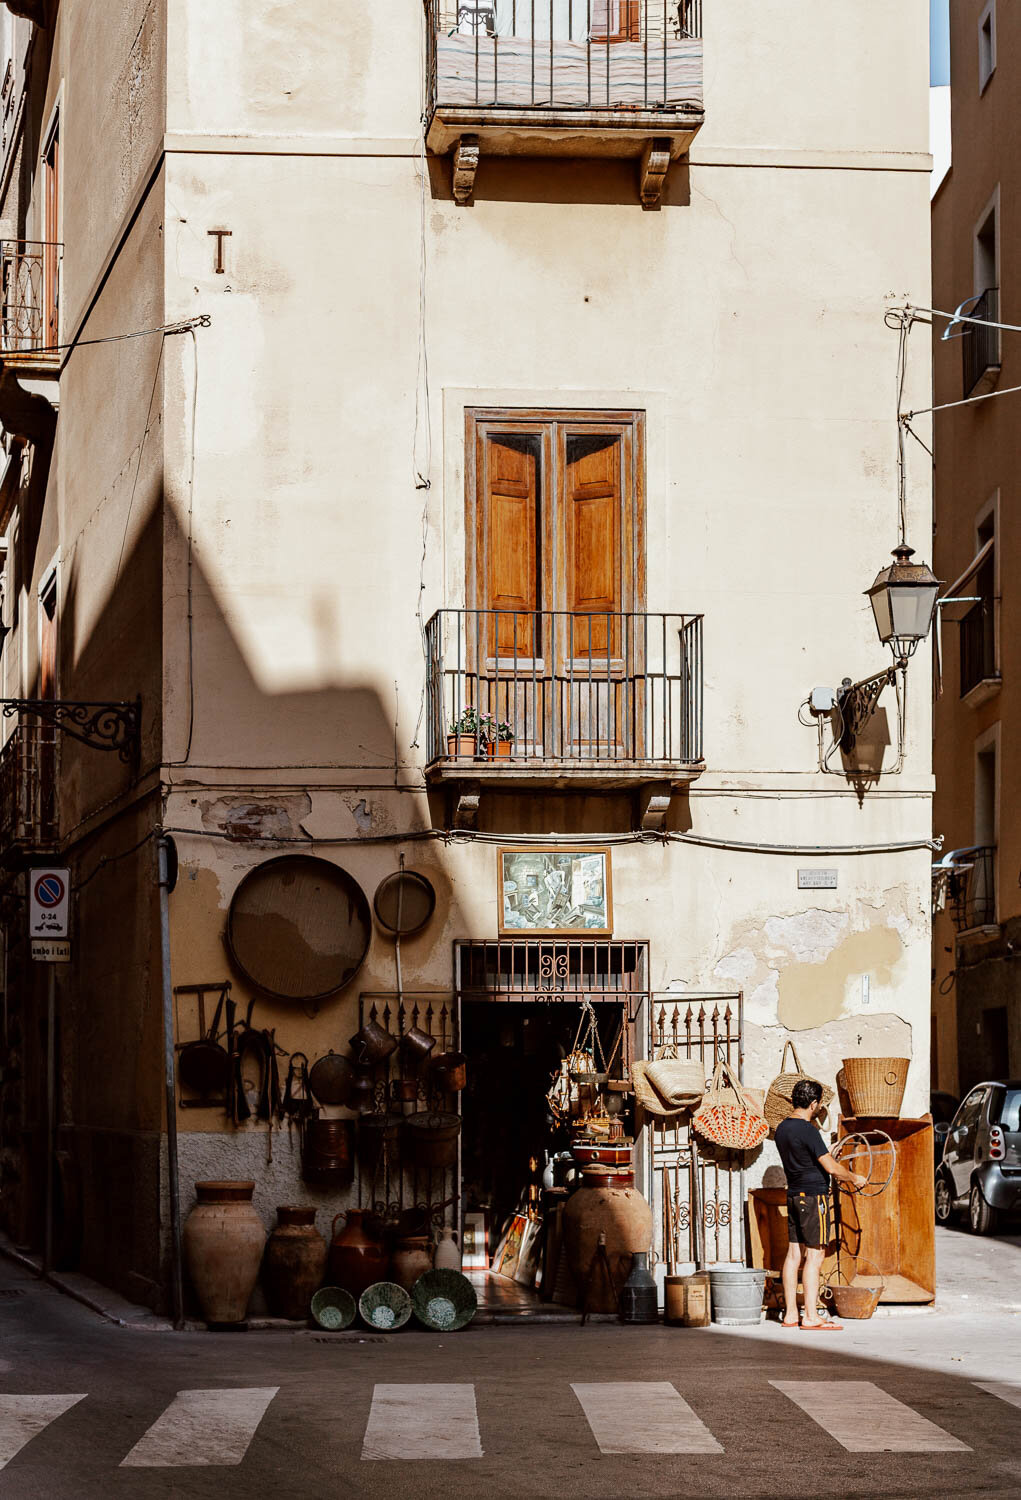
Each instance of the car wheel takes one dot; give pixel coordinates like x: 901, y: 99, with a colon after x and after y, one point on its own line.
x: 981, y: 1217
x: 944, y: 1201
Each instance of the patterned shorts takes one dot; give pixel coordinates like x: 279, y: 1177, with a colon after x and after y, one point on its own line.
x: 809, y: 1219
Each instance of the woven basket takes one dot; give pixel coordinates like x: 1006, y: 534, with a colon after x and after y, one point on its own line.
x: 727, y: 1117
x: 875, y: 1085
x: 778, y: 1100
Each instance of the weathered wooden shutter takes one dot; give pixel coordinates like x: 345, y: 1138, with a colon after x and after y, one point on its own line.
x: 592, y: 527
x: 512, y: 481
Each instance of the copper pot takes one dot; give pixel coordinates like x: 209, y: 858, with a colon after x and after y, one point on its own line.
x: 361, y: 1093
x: 450, y: 1071
x: 327, y: 1157
x: 372, y: 1045
x: 417, y: 1044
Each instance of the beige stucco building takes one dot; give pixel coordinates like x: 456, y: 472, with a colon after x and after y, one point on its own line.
x: 602, y: 348
x: 976, y: 1005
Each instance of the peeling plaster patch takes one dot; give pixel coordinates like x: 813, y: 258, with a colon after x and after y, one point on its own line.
x: 814, y: 993
x: 762, y: 1004
x: 362, y: 816
x: 242, y: 820
x: 736, y: 967
x: 810, y: 936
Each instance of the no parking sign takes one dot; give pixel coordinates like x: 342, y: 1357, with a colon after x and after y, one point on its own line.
x: 49, y: 914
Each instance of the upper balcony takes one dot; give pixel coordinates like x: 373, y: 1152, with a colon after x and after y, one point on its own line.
x: 28, y: 803
x: 612, y: 78
x: 550, y: 700
x: 30, y: 304
x: 981, y: 346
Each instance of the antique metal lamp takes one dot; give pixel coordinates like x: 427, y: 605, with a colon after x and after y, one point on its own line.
x: 903, y: 599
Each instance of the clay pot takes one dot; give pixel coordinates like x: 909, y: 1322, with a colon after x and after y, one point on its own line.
x: 356, y: 1261
x: 294, y: 1263
x: 610, y: 1205
x: 223, y: 1245
x: 411, y: 1259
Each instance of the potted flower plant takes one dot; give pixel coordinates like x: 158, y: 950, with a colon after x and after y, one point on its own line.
x: 463, y: 735
x: 496, y: 735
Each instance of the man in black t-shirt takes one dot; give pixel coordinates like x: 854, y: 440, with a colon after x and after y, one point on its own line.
x: 809, y: 1167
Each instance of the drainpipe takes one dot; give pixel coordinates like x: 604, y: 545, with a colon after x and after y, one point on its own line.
x: 51, y: 1110
x: 167, y: 856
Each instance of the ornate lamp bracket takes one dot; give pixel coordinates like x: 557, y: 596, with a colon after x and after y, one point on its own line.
x: 102, y: 726
x: 858, y: 701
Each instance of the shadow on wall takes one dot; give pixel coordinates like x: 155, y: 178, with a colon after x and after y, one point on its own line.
x: 595, y: 180
x: 111, y: 1211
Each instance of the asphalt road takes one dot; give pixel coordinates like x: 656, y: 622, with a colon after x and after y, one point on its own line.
x: 88, y: 1409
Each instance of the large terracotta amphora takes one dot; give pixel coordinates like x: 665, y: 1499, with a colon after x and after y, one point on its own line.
x: 295, y: 1261
x: 412, y: 1257
x: 223, y: 1244
x: 356, y: 1261
x: 606, y: 1203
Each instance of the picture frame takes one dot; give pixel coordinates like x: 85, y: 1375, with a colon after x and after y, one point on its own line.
x: 508, y: 1251
x: 475, y: 1243
x: 550, y: 893
x: 527, y: 1268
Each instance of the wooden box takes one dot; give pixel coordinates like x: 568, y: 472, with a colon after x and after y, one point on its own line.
x: 895, y: 1230
x: 767, y: 1232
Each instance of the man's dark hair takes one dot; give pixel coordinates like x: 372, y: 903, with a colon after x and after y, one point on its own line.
x: 805, y: 1092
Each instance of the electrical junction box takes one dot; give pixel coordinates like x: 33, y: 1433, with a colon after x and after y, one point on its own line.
x: 821, y: 700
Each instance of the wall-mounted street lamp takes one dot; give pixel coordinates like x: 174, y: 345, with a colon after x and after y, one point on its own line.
x: 904, y: 599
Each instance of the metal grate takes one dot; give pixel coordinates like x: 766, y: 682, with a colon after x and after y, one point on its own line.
x: 980, y: 346
x: 551, y: 969
x: 28, y: 783
x: 30, y: 292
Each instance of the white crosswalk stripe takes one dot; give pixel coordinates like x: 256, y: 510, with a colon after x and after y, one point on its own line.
x: 23, y: 1417
x: 1007, y: 1390
x: 643, y: 1416
x: 423, y: 1421
x: 865, y: 1419
x: 202, y: 1428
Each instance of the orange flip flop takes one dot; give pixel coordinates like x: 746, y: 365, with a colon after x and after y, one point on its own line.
x: 822, y: 1328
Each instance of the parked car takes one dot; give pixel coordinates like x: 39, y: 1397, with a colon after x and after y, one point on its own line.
x: 942, y: 1107
x: 981, y: 1165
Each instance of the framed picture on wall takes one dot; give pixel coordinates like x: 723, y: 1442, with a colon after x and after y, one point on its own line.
x: 566, y: 890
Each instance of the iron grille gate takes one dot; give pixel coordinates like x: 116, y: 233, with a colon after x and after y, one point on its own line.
x: 697, y: 1190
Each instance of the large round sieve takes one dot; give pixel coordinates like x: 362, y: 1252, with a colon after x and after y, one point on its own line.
x: 404, y: 902
x: 299, y: 927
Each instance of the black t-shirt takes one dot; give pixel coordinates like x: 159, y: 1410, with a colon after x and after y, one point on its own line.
x: 800, y: 1146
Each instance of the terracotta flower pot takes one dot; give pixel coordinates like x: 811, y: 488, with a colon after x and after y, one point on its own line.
x: 294, y: 1263
x: 499, y: 749
x: 461, y: 744
x: 223, y: 1246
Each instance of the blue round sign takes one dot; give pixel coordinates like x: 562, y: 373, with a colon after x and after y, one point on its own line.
x: 49, y: 890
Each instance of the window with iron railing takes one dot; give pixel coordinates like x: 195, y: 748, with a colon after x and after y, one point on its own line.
x: 978, y: 630
x: 981, y: 345
x: 972, y: 886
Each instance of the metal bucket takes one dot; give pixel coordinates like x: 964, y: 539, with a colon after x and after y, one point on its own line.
x: 432, y: 1138
x: 327, y: 1158
x: 674, y: 1300
x: 737, y: 1294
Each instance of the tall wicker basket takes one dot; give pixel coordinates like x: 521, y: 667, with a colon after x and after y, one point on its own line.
x: 875, y: 1085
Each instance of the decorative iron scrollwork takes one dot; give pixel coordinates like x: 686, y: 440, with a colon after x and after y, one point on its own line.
x: 857, y: 702
x: 103, y: 726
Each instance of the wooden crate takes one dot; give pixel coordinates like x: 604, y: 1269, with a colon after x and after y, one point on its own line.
x: 896, y: 1230
x: 767, y: 1232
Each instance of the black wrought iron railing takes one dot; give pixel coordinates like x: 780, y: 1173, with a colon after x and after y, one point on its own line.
x: 29, y: 296
x: 980, y: 345
x: 978, y: 646
x: 536, y: 686
x: 565, y: 54
x: 28, y: 782
x: 971, y: 889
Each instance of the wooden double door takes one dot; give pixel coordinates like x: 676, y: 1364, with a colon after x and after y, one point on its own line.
x: 555, y: 580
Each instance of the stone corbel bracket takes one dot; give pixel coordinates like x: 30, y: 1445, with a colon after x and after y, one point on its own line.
x: 652, y: 173
x: 466, y: 164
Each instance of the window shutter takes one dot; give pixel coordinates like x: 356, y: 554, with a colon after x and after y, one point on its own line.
x: 512, y: 479
x: 593, y: 529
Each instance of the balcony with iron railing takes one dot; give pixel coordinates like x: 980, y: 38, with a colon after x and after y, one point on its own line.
x: 30, y: 302
x: 981, y: 346
x: 613, y: 78
x: 28, y: 801
x: 978, y: 649
x: 970, y: 882
x: 550, y: 698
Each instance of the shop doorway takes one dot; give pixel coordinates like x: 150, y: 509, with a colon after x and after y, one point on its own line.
x: 526, y: 1009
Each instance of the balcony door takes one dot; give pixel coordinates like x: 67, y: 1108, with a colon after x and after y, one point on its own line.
x: 556, y: 576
